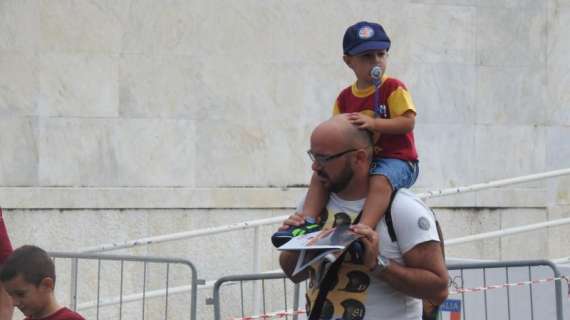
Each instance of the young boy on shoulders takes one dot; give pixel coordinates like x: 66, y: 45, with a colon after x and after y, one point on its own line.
x: 377, y: 103
x: 28, y: 276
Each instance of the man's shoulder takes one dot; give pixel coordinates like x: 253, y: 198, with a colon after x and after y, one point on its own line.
x: 404, y: 194
x: 407, y: 204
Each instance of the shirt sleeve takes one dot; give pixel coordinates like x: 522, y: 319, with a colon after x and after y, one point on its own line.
x: 336, y: 108
x: 413, y: 221
x: 400, y: 101
x: 5, y: 244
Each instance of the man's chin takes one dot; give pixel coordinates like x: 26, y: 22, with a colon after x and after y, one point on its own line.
x: 324, y: 181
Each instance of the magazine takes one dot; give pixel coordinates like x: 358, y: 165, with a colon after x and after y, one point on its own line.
x: 324, y: 246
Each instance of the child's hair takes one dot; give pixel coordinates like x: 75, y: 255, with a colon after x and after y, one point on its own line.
x: 32, y: 262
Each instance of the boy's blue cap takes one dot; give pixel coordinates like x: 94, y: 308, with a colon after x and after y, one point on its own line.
x: 364, y: 36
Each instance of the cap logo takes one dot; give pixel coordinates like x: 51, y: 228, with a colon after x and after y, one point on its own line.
x: 365, y: 33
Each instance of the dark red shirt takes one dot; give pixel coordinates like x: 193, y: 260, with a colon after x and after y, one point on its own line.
x: 62, y: 314
x: 5, y: 244
x: 395, y: 100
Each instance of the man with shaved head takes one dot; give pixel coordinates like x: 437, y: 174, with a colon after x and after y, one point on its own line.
x: 391, y: 278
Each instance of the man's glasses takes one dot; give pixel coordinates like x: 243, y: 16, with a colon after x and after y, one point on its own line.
x: 322, y: 160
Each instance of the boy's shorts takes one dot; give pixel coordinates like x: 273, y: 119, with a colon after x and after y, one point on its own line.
x: 400, y: 173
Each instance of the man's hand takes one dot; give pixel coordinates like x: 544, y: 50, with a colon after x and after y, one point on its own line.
x: 293, y: 220
x: 371, y: 242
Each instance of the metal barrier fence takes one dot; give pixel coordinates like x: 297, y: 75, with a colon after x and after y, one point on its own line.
x: 259, y: 286
x: 506, y: 290
x: 489, y: 290
x: 111, y: 283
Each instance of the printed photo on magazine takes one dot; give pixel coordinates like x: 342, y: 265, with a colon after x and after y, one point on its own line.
x: 317, y: 246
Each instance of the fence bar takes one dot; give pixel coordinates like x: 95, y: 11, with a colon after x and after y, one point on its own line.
x: 98, y: 286
x: 73, y: 284
x: 531, y: 295
x: 256, y: 265
x: 494, y: 184
x: 506, y: 232
x: 296, y: 296
x: 121, y: 291
x: 181, y: 235
x: 144, y: 290
x: 508, y: 293
x: 485, y: 293
x: 166, y: 295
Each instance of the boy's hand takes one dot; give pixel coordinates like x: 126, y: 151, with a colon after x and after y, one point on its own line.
x: 361, y: 120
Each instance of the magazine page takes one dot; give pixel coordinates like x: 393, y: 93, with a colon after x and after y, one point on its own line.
x: 309, y: 257
x: 336, y: 238
x: 319, y: 246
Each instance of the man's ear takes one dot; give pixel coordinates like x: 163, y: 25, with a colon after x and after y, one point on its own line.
x: 362, y: 155
x: 47, y: 283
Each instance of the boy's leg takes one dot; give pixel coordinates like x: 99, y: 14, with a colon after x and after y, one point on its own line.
x: 386, y: 175
x: 317, y: 197
x: 315, y: 201
x: 379, y: 193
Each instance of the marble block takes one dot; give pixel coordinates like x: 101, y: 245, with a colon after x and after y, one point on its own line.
x: 173, y: 27
x: 505, y: 152
x: 558, y: 46
x: 439, y: 34
x: 18, y: 84
x: 557, y: 107
x: 558, y: 147
x: 511, y: 37
x: 445, y: 159
x: 19, y: 156
x: 78, y: 26
x: 511, y: 95
x: 250, y: 154
x: 103, y: 152
x: 535, y: 243
x: 19, y: 25
x: 166, y: 86
x: 444, y: 94
x: 78, y: 85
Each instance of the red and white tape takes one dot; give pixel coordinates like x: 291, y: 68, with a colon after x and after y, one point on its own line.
x: 274, y: 315
x: 508, y: 285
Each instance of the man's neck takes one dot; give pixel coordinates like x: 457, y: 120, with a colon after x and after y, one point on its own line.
x: 52, y: 308
x: 357, y: 189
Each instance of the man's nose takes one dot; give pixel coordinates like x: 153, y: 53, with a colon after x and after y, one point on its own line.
x: 316, y: 166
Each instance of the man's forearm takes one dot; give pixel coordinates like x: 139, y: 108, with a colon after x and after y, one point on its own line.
x: 288, y: 260
x: 418, y: 283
